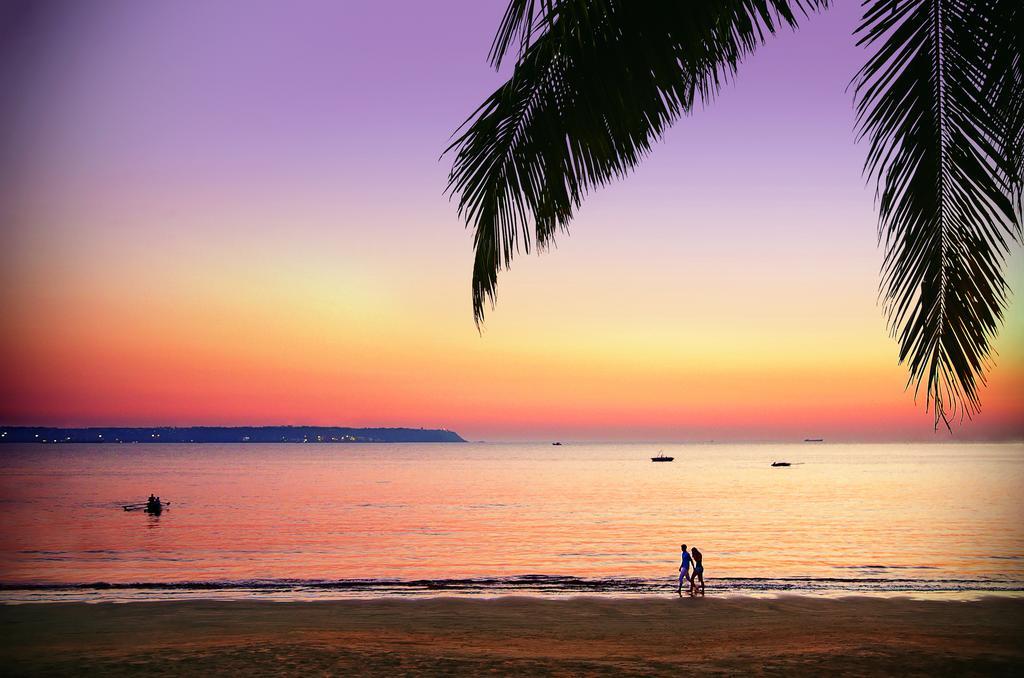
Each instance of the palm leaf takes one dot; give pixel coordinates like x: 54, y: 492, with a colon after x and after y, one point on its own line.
x: 595, y: 84
x: 1004, y: 89
x: 518, y: 26
x: 938, y: 100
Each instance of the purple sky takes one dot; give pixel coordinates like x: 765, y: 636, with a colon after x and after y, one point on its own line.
x: 275, y: 165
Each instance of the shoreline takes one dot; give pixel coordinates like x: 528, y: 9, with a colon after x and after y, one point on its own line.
x: 288, y: 597
x: 558, y: 587
x: 516, y: 634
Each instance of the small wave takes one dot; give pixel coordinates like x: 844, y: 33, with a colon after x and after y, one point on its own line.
x: 528, y: 584
x: 882, y: 568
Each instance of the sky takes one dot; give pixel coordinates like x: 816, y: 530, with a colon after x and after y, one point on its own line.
x: 233, y: 212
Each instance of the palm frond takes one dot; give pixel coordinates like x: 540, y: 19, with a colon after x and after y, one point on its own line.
x: 941, y: 151
x: 595, y: 84
x: 1004, y: 89
x: 517, y: 27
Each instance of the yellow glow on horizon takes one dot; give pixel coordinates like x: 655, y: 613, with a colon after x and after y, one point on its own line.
x: 280, y: 331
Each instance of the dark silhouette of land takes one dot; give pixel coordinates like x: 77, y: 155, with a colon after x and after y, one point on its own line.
x: 225, y: 434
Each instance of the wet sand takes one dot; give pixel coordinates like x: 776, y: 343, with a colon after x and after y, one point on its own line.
x: 524, y: 636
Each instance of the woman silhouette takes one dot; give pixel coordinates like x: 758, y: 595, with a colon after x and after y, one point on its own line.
x: 698, y: 571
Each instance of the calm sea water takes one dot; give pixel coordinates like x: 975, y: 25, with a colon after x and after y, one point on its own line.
x: 308, y: 521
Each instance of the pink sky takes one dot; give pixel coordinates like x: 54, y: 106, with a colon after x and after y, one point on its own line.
x: 233, y: 213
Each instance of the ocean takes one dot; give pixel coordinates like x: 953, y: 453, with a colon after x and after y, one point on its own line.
x: 300, y: 522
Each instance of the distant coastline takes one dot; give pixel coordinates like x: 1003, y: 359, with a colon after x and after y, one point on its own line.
x: 225, y: 434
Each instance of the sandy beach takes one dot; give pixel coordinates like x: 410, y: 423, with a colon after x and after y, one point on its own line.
x: 525, y: 636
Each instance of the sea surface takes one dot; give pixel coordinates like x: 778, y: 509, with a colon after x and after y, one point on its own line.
x: 296, y: 521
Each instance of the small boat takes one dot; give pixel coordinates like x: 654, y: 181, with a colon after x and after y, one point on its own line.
x: 781, y: 463
x: 146, y: 508
x: 661, y: 457
x: 556, y: 443
x: 814, y: 440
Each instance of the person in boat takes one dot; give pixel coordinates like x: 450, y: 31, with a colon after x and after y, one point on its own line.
x: 698, y: 572
x: 153, y: 503
x: 684, y: 569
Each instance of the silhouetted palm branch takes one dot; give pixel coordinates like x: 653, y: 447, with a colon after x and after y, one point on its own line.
x: 1004, y: 88
x: 517, y: 26
x: 596, y: 82
x: 939, y: 119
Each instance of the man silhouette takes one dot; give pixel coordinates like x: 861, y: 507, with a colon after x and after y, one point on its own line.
x: 684, y: 569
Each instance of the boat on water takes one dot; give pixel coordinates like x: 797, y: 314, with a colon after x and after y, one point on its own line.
x: 662, y: 457
x: 781, y: 463
x: 152, y: 508
x: 556, y: 443
x: 814, y: 440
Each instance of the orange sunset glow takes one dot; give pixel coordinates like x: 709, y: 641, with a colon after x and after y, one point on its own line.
x: 511, y: 338
x: 165, y: 263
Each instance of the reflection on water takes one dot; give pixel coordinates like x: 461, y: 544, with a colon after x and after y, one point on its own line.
x: 307, y: 519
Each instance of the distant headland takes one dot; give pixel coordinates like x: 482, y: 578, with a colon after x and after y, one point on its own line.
x: 225, y: 434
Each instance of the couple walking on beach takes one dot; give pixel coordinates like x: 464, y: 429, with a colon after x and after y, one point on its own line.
x: 695, y: 557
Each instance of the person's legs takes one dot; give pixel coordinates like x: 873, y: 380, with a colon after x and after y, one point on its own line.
x: 701, y: 575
